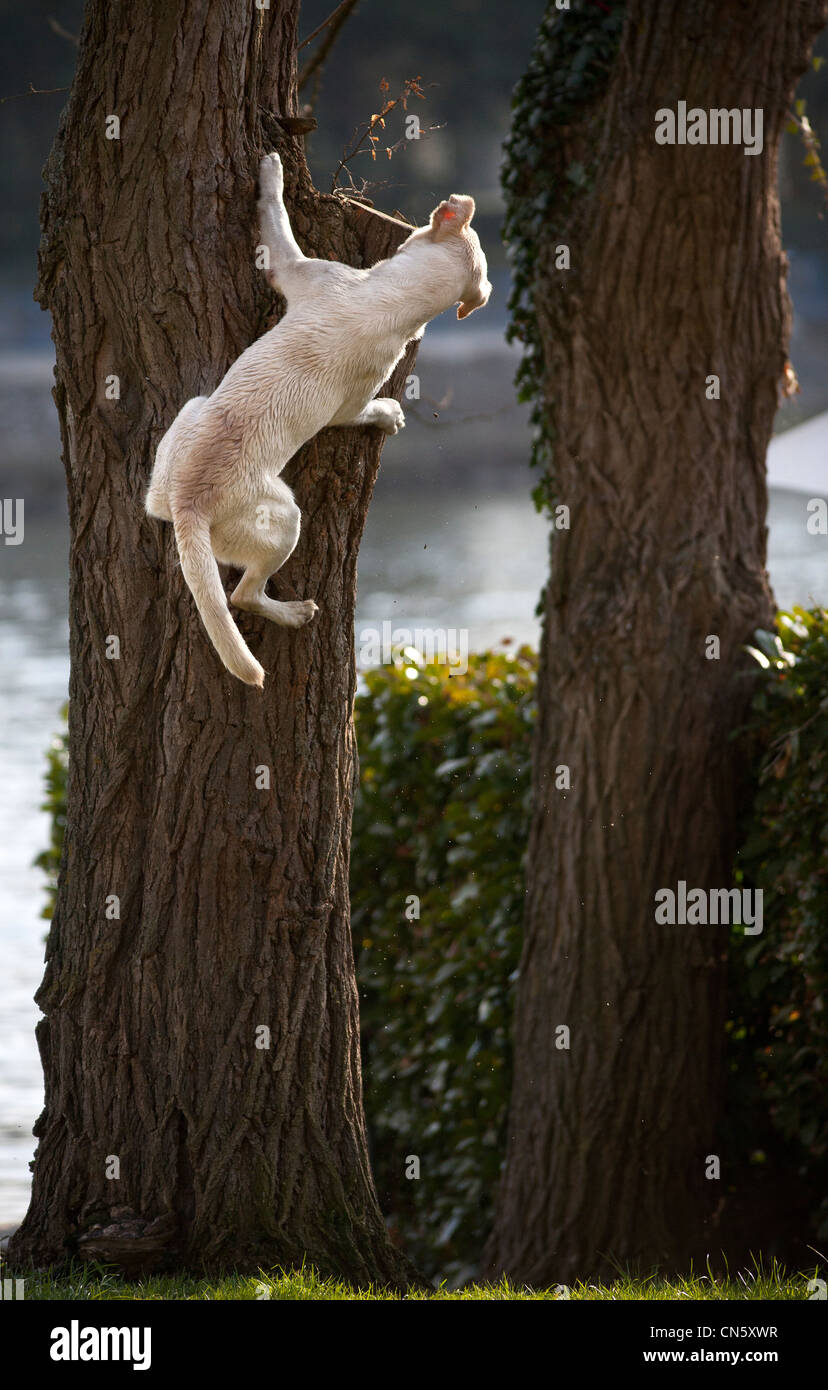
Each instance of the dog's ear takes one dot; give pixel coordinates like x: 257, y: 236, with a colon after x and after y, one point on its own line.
x: 452, y: 216
x: 478, y: 300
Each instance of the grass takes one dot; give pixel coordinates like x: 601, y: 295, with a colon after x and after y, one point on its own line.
x: 96, y: 1282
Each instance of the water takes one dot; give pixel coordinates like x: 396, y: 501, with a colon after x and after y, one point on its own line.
x: 34, y: 670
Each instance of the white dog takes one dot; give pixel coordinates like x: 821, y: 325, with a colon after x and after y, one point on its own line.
x: 216, y: 473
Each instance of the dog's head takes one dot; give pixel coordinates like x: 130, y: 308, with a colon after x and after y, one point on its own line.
x: 450, y: 225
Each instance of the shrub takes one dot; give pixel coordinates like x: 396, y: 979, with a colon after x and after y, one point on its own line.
x: 57, y: 767
x: 442, y: 818
x: 779, y: 983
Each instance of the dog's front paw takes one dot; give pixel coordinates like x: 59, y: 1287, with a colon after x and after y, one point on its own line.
x: 393, y: 419
x: 271, y: 176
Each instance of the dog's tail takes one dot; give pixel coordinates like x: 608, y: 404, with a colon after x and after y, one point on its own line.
x: 199, y: 567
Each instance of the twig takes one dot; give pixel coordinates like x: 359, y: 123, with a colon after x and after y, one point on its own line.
x: 411, y: 87
x: 62, y: 33
x: 346, y: 4
x: 799, y: 122
x: 314, y: 64
x: 33, y: 92
x: 375, y: 212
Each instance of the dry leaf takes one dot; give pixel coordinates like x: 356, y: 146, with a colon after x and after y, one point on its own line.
x: 790, y: 385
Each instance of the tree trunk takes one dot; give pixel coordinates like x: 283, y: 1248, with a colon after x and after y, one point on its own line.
x: 233, y: 1148
x: 677, y: 274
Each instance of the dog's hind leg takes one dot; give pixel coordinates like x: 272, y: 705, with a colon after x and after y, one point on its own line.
x: 250, y: 596
x: 157, y: 501
x: 260, y: 543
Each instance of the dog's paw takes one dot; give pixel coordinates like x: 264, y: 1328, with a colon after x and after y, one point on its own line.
x: 271, y: 176
x: 297, y: 612
x: 393, y: 418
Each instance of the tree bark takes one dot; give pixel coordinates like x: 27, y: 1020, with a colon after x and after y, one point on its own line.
x: 677, y: 274
x: 232, y: 895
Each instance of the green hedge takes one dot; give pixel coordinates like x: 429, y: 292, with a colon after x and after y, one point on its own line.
x: 442, y: 817
x: 779, y: 982
x: 57, y: 767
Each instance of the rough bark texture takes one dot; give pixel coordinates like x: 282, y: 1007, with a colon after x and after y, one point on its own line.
x: 233, y: 899
x: 677, y: 273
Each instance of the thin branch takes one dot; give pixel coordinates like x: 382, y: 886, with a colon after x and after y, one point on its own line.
x: 57, y: 28
x: 314, y: 64
x: 411, y: 87
x: 33, y: 92
x: 390, y: 150
x: 318, y: 30
x: 375, y: 212
x: 799, y: 122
